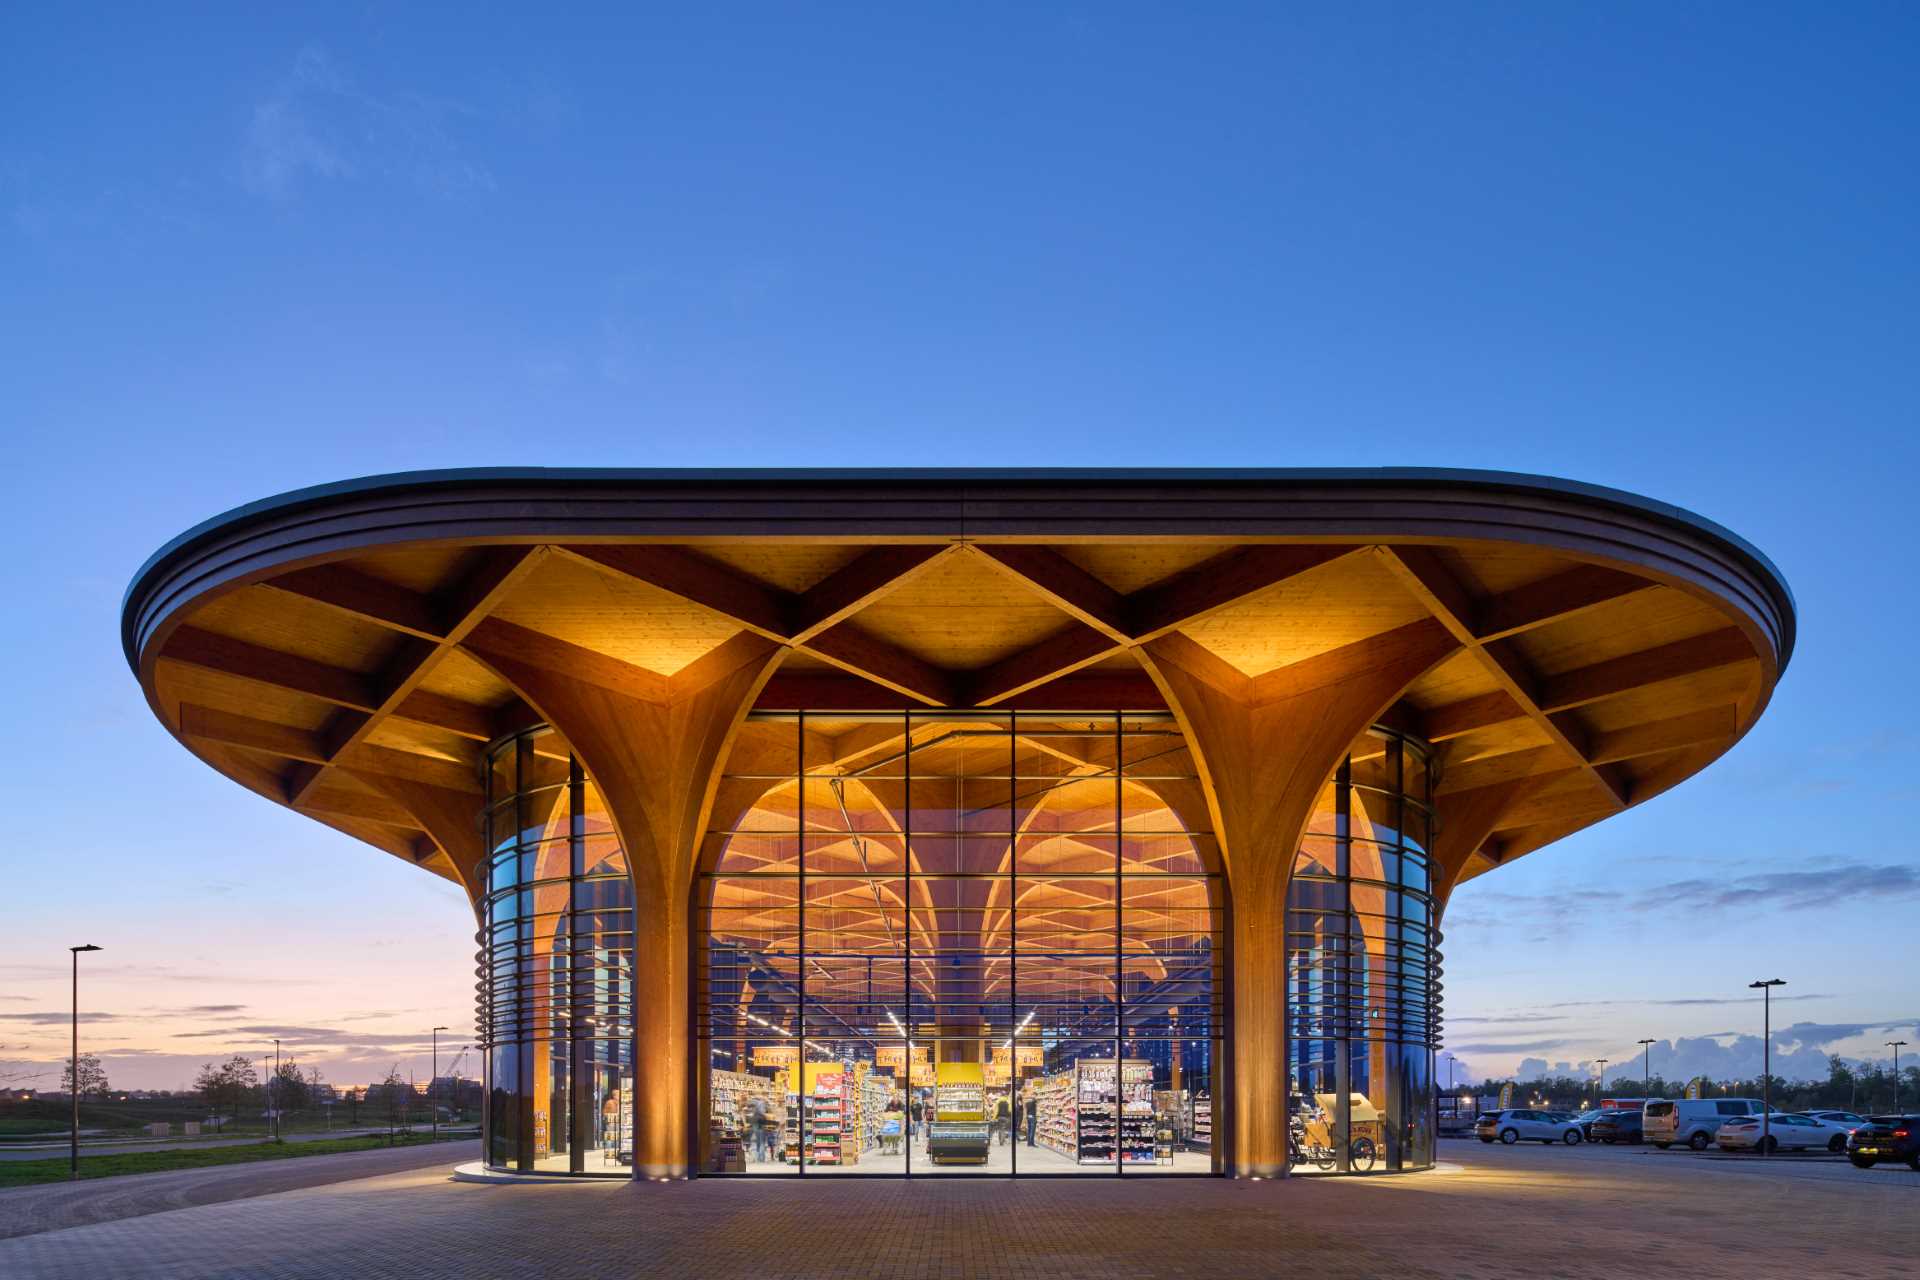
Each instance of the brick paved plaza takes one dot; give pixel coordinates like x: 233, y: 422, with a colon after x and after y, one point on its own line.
x: 1495, y: 1212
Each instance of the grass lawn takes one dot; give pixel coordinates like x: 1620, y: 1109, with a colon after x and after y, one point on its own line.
x: 22, y: 1173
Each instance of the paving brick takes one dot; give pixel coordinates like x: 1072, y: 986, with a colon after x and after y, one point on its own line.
x: 1506, y: 1213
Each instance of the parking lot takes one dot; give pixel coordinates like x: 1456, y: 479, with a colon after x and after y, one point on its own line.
x: 1678, y: 1162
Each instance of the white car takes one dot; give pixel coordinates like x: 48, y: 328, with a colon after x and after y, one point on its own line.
x: 1693, y: 1121
x: 1535, y: 1126
x: 1783, y: 1131
x: 1848, y: 1120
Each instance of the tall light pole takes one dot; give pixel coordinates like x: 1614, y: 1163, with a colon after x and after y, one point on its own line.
x: 1646, y: 1068
x: 73, y: 1063
x: 273, y: 1093
x: 1766, y: 1059
x: 1895, y: 1045
x: 1600, y: 1084
x: 431, y: 1079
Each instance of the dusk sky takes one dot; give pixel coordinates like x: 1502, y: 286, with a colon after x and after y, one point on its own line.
x: 1665, y: 247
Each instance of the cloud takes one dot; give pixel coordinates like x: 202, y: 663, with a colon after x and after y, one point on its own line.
x: 56, y: 1017
x: 1818, y: 881
x: 1683, y: 1000
x: 320, y: 125
x: 1525, y: 1046
x: 1788, y: 890
x: 1505, y: 1019
x: 268, y: 1032
x: 152, y: 973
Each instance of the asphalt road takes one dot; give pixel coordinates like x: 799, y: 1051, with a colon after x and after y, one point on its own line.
x: 1786, y: 1165
x: 118, y: 1146
x: 56, y: 1206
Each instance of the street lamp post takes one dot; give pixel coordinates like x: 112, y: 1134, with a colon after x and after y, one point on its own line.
x: 1600, y: 1083
x: 73, y: 1063
x: 431, y: 1079
x: 1766, y: 1059
x: 1895, y: 1045
x: 273, y: 1092
x: 1646, y: 1068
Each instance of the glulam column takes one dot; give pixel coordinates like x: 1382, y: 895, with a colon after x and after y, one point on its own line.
x: 1265, y: 747
x: 655, y: 754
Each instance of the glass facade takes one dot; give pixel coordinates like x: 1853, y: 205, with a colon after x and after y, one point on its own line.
x: 556, y: 967
x: 959, y: 942
x: 950, y: 943
x: 1363, y: 968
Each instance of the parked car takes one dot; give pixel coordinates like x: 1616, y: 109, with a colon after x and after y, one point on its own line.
x: 1781, y: 1131
x: 1617, y: 1126
x: 1886, y: 1139
x: 1847, y: 1119
x: 1533, y: 1126
x: 1693, y: 1121
x: 1586, y: 1119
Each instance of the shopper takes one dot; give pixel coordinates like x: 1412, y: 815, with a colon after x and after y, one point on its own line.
x: 1002, y: 1121
x: 759, y: 1132
x: 1033, y: 1118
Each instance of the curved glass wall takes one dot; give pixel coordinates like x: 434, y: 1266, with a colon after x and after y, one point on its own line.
x: 953, y: 942
x: 555, y: 967
x: 1363, y: 968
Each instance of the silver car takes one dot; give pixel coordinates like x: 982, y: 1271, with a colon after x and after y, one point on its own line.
x: 1538, y: 1126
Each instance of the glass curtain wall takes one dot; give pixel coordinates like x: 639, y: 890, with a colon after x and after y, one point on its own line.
x: 1363, y: 967
x: 959, y: 942
x: 555, y: 967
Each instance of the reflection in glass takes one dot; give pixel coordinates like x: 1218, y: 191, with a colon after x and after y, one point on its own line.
x: 1362, y: 967
x: 556, y: 967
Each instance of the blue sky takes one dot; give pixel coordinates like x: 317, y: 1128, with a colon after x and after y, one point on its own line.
x: 1667, y: 247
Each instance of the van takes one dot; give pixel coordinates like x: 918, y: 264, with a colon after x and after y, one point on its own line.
x: 1694, y: 1121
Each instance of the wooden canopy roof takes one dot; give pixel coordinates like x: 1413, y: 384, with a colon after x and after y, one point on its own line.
x: 339, y: 649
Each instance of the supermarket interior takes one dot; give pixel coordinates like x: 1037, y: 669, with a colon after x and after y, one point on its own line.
x: 1035, y: 989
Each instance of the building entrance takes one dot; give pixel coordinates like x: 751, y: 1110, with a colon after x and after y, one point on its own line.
x: 957, y: 943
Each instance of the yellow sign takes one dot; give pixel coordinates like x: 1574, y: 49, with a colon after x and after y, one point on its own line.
x: 775, y: 1055
x: 893, y: 1057
x: 1697, y: 1087
x: 1506, y: 1095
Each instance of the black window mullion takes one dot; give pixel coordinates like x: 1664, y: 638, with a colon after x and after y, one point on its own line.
x: 1014, y: 1091
x: 1119, y: 1017
x: 802, y: 1146
x: 906, y: 967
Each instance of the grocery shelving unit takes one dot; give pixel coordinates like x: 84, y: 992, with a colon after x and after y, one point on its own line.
x: 732, y: 1094
x: 1090, y: 1112
x: 1055, y: 1125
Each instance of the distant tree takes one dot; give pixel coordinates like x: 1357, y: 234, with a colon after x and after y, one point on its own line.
x: 93, y: 1077
x: 396, y: 1097
x: 290, y: 1089
x: 226, y: 1087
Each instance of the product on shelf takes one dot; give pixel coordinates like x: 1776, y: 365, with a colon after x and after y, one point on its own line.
x: 819, y: 1119
x: 731, y: 1095
x: 1090, y: 1111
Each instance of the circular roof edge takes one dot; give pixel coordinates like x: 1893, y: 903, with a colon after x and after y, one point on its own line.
x: 265, y: 510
